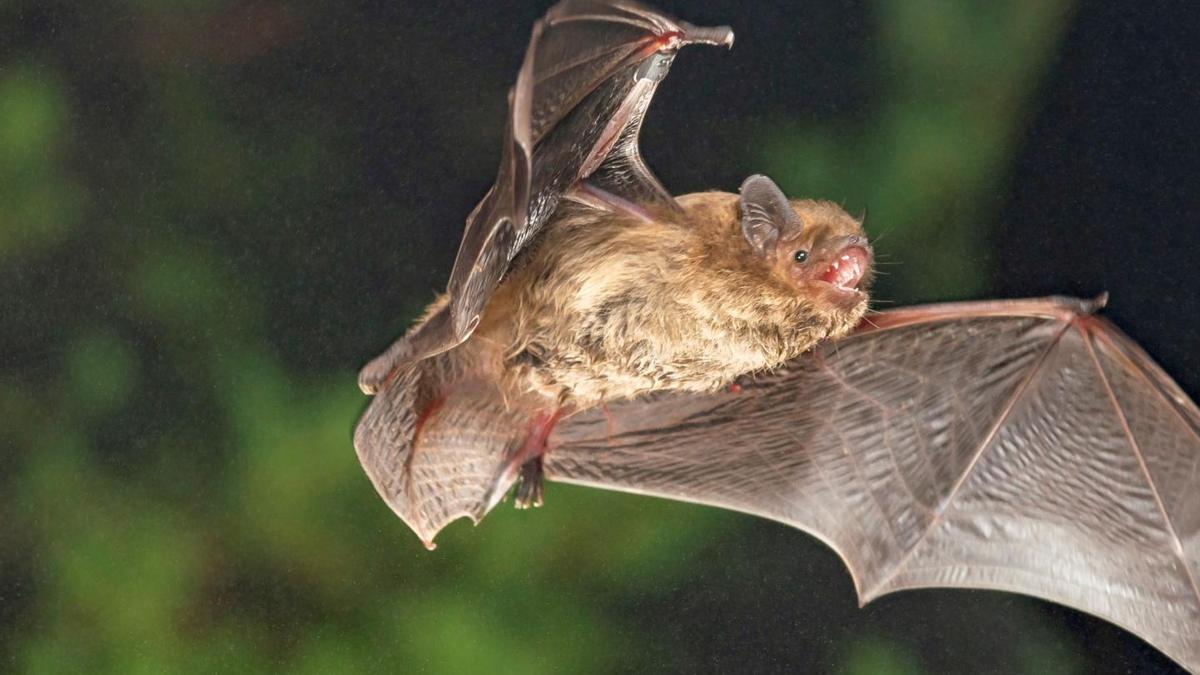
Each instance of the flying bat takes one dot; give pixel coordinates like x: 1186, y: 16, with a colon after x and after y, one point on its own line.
x: 716, y: 348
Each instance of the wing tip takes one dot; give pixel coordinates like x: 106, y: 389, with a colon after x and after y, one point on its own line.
x: 1082, y: 306
x: 1082, y: 312
x: 1071, y: 305
x: 717, y: 36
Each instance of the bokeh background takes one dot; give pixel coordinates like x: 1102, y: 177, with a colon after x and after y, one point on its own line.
x: 213, y: 212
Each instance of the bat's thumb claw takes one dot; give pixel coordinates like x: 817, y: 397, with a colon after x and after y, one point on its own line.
x: 720, y: 36
x: 369, y: 380
x: 375, y: 374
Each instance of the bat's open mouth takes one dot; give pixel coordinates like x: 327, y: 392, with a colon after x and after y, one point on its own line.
x: 848, y: 269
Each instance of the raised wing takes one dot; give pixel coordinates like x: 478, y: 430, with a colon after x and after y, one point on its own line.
x: 1024, y: 446
x: 574, y: 114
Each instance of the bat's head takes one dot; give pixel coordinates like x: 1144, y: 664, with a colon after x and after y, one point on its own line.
x: 815, y: 247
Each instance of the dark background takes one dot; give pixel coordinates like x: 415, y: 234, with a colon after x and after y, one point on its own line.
x: 212, y: 213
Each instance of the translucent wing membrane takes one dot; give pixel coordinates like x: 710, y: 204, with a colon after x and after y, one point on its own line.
x: 1021, y: 446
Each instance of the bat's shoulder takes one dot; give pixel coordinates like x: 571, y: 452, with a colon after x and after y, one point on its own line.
x: 705, y: 205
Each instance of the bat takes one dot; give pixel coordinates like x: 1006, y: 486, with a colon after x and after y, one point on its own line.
x: 715, y: 348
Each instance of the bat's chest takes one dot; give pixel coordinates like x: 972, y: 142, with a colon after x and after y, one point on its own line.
x: 629, y: 350
x: 585, y: 378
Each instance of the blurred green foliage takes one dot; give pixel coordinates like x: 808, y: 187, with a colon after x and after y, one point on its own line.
x: 956, y: 80
x: 39, y: 204
x: 175, y: 184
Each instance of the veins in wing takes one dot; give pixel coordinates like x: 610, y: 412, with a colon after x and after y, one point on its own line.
x: 763, y: 485
x: 1177, y: 544
x: 1176, y: 401
x: 607, y: 18
x: 1005, y: 413
x: 631, y: 15
x: 886, y: 413
x: 924, y: 382
x: 820, y: 503
x: 570, y: 64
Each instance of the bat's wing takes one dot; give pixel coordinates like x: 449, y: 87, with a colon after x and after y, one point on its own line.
x: 1024, y: 446
x: 435, y: 456
x: 574, y: 115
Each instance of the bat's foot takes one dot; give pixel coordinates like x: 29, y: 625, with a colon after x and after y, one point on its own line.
x: 529, y: 487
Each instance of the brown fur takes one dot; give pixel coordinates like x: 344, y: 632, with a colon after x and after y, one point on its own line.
x: 607, y: 307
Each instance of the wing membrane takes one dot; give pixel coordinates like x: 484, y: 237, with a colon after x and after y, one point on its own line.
x: 1027, y: 447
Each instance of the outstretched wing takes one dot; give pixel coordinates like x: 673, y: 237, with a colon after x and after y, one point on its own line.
x: 1024, y: 446
x: 574, y: 114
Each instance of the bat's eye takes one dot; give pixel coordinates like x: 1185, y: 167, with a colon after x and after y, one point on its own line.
x: 800, y: 256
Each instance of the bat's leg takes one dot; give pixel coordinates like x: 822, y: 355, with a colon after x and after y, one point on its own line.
x: 529, y: 489
x: 736, y: 387
x: 608, y: 421
x: 529, y: 486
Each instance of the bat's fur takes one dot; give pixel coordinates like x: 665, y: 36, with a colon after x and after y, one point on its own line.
x: 606, y: 307
x: 601, y: 307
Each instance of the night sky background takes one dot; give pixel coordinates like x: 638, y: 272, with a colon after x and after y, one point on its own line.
x: 212, y: 213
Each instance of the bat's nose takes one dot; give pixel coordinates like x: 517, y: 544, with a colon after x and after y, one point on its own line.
x: 835, y: 247
x: 836, y: 244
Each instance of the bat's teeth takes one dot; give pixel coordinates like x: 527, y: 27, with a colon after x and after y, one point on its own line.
x: 845, y: 271
x: 844, y: 277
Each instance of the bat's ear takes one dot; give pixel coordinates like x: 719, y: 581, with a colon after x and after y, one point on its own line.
x: 767, y: 216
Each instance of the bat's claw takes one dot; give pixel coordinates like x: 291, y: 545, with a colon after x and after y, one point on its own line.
x: 382, y: 368
x: 529, y: 489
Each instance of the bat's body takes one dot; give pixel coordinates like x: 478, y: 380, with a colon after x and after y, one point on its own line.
x: 593, y: 323
x: 608, y: 306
